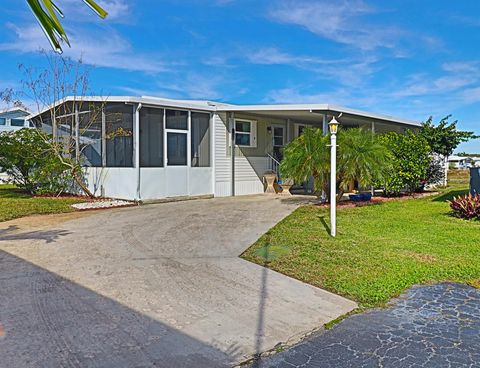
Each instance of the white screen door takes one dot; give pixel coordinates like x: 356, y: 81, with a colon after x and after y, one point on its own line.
x: 176, y: 163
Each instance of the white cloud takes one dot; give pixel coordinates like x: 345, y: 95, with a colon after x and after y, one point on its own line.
x: 339, y: 21
x: 97, y: 47
x: 348, y: 71
x: 272, y: 56
x: 456, y: 77
x: 189, y: 85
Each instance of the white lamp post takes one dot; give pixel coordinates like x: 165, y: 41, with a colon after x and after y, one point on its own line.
x: 333, y: 126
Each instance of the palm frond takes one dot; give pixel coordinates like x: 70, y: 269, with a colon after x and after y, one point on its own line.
x: 47, y: 12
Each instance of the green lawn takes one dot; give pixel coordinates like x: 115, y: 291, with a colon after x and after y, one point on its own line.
x: 380, y: 250
x: 15, y: 203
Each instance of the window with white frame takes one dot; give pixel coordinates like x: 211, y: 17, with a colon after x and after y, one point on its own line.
x: 3, y: 121
x: 245, y: 133
x: 17, y: 122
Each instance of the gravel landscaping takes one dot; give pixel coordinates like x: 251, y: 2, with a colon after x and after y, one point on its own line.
x: 102, y: 204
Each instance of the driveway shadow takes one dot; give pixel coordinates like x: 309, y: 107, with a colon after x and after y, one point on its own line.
x: 49, y: 321
x: 49, y: 236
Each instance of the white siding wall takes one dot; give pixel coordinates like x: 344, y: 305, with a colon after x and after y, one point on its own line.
x: 222, y: 161
x: 248, y: 170
x: 115, y: 182
x: 122, y: 182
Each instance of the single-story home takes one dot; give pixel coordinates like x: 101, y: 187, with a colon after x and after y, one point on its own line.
x: 147, y: 148
x: 459, y: 162
x: 475, y: 161
x: 13, y: 118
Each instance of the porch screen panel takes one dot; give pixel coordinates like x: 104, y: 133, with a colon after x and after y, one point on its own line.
x: 177, y: 119
x: 200, y: 139
x: 151, y: 137
x: 119, y: 135
x: 90, y: 133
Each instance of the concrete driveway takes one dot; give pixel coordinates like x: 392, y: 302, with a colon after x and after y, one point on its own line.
x: 158, y: 285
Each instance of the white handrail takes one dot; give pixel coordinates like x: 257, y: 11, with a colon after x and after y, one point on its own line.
x: 273, y: 158
x: 274, y: 165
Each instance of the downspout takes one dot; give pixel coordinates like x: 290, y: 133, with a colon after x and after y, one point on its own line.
x: 137, y: 149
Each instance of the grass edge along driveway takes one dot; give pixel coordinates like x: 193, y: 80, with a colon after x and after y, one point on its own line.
x: 15, y: 203
x: 380, y: 250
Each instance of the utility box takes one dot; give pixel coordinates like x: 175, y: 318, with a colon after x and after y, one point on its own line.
x: 475, y: 180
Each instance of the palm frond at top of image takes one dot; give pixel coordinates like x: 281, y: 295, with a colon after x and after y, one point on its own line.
x: 48, y: 13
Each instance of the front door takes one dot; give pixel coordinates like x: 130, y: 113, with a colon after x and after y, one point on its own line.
x: 176, y: 169
x: 278, y: 135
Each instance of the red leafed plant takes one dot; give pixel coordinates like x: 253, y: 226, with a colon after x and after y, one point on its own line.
x: 467, y: 206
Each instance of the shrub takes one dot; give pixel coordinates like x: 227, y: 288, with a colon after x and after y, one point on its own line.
x: 467, y: 206
x: 410, y: 160
x: 27, y: 156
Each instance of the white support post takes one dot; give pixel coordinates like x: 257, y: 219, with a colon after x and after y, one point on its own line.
x: 289, y: 138
x: 104, y: 138
x: 136, y: 137
x: 333, y: 185
x: 77, y: 134
x: 232, y: 133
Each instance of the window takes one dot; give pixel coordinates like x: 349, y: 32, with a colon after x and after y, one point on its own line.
x: 90, y: 133
x: 277, y: 136
x: 119, y: 134
x: 3, y: 121
x: 151, y: 137
x: 200, y: 139
x: 176, y: 149
x: 177, y: 119
x: 245, y: 133
x: 17, y: 122
x: 277, y: 133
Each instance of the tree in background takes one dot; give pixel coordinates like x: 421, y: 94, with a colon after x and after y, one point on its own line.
x: 444, y: 138
x: 410, y: 159
x: 70, y: 124
x: 308, y: 156
x: 362, y: 158
x: 27, y: 156
x: 47, y: 13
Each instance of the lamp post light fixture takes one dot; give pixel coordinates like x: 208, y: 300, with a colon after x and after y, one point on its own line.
x: 333, y: 126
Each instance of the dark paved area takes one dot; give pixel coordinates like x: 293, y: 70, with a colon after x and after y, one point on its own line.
x: 429, y: 326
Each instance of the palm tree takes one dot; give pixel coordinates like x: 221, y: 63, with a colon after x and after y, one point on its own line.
x: 362, y: 158
x: 46, y: 13
x: 308, y: 156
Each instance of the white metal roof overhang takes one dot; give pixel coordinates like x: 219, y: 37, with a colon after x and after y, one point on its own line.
x: 314, y: 113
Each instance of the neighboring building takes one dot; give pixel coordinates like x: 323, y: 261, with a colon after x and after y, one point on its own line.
x: 475, y: 161
x: 145, y: 148
x: 13, y: 118
x: 460, y: 162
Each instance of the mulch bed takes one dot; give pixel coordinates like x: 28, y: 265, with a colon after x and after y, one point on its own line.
x: 379, y: 200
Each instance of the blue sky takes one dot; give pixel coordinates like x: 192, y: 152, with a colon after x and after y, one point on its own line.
x: 406, y: 58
